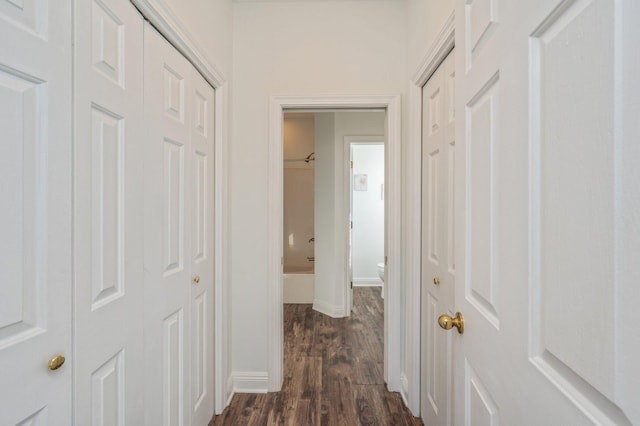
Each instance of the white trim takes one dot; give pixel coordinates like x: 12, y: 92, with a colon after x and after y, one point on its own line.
x: 222, y: 291
x: 392, y: 238
x: 175, y: 32
x: 249, y: 381
x: 439, y: 50
x: 334, y: 311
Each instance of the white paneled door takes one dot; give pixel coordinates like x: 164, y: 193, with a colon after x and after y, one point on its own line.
x: 438, y: 262
x: 35, y: 225
x: 108, y: 213
x: 178, y: 316
x: 546, y: 213
x: 200, y: 254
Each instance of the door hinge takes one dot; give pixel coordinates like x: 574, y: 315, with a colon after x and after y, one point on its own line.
x: 352, y: 164
x: 282, y: 260
x: 352, y: 285
x: 351, y: 224
x: 385, y: 260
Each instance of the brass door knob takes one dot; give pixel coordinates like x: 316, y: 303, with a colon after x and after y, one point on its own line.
x: 436, y: 281
x: 55, y: 362
x: 448, y: 323
x: 196, y: 279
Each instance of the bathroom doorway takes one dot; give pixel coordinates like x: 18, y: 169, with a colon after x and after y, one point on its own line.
x: 326, y: 202
x: 366, y: 211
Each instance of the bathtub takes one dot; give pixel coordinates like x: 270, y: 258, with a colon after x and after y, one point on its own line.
x: 297, y: 283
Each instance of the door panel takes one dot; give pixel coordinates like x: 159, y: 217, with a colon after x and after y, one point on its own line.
x: 201, y: 228
x: 179, y: 237
x: 108, y: 213
x: 166, y: 284
x: 438, y: 264
x: 538, y: 179
x: 35, y: 171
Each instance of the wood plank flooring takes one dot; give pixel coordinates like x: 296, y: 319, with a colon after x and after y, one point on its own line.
x: 333, y: 372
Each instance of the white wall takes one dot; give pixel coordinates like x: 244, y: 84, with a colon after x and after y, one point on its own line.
x: 292, y: 48
x: 425, y: 20
x: 325, y: 296
x: 367, y: 240
x: 209, y: 25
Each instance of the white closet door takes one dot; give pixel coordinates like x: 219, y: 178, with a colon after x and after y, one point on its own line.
x: 179, y: 108
x: 438, y: 262
x: 35, y: 219
x: 108, y: 213
x: 200, y: 173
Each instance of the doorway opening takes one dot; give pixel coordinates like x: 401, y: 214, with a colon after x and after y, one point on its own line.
x: 331, y: 226
x: 366, y: 211
x: 326, y: 171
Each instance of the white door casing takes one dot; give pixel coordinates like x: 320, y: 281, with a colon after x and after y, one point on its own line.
x: 542, y: 214
x: 178, y: 237
x: 438, y: 248
x: 35, y: 171
x: 108, y: 213
x: 392, y: 310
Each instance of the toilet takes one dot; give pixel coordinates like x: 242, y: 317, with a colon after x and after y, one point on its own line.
x: 381, y: 275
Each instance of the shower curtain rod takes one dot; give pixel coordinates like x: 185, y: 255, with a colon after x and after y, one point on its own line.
x: 300, y: 159
x: 310, y: 157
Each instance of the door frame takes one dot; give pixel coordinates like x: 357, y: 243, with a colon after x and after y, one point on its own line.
x: 392, y: 307
x: 438, y: 51
x: 162, y: 18
x: 349, y: 142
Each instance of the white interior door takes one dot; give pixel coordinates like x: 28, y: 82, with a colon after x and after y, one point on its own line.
x: 200, y: 171
x: 108, y: 213
x: 544, y: 272
x: 438, y: 261
x: 35, y: 225
x: 178, y: 235
x: 167, y: 279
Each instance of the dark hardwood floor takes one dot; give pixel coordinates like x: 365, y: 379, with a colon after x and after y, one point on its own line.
x: 332, y: 372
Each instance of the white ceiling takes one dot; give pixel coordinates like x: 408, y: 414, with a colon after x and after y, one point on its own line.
x: 299, y: 1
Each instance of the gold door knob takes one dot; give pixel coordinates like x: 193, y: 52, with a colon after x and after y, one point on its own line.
x: 196, y: 279
x: 448, y: 323
x: 436, y: 281
x: 55, y: 362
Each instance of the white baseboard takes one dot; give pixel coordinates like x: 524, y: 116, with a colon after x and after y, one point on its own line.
x: 367, y: 282
x: 334, y: 311
x: 250, y: 381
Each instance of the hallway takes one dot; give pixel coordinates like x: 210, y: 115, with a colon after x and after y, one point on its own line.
x: 333, y: 372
